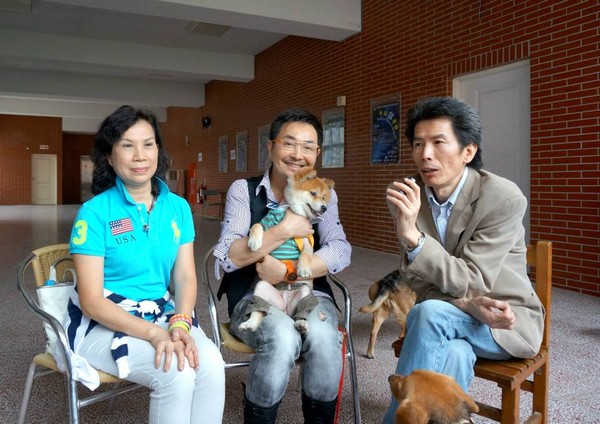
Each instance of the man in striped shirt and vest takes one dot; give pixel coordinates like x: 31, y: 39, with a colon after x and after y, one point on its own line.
x: 295, y: 139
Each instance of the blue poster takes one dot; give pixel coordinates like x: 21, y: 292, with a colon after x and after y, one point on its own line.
x: 385, y: 133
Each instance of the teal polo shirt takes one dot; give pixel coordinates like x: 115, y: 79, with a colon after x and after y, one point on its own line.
x: 139, y: 249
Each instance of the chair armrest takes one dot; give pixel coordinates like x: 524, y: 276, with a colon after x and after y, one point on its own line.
x: 347, y: 311
x: 211, y: 298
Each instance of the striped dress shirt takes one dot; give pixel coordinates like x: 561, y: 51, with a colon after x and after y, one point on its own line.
x: 335, y: 251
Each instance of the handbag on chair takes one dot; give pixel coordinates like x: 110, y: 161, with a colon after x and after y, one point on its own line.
x: 53, y: 298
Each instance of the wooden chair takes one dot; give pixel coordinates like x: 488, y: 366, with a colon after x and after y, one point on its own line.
x: 514, y: 375
x: 213, y: 198
x: 39, y: 262
x: 224, y: 339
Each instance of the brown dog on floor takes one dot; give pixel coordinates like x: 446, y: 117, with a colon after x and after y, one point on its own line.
x: 389, y: 298
x: 426, y: 397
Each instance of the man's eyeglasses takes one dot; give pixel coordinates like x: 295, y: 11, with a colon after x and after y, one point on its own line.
x: 305, y: 147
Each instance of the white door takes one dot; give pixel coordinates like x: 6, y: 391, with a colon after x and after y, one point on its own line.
x: 501, y: 97
x: 43, y: 179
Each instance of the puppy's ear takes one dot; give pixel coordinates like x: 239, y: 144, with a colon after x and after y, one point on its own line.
x: 330, y: 183
x: 396, y: 382
x: 305, y: 174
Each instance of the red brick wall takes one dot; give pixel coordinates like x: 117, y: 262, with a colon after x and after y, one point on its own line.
x: 74, y: 146
x: 416, y: 48
x: 182, y: 133
x: 20, y: 137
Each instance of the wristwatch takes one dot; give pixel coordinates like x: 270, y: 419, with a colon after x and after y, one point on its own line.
x: 291, y: 275
x: 420, y: 243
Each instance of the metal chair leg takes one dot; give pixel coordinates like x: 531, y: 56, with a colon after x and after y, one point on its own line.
x: 73, y: 400
x: 354, y: 380
x: 27, y: 393
x: 353, y: 377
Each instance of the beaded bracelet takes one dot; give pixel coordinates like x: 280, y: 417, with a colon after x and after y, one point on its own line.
x: 189, y: 321
x: 181, y: 317
x: 180, y: 324
x: 180, y: 320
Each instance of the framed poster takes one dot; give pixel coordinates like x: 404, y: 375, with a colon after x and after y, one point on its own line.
x: 223, y: 154
x: 333, y: 138
x: 385, y: 129
x: 241, y: 146
x: 263, y: 152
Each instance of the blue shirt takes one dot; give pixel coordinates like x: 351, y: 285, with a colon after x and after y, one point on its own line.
x: 441, y: 213
x: 139, y: 248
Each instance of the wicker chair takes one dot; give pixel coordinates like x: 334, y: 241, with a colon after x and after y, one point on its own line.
x: 39, y: 261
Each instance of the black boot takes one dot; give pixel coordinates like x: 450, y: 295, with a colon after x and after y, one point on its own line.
x: 318, y: 412
x: 254, y: 414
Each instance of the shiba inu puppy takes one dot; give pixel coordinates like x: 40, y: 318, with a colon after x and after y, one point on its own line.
x: 426, y: 397
x: 306, y: 195
x: 390, y: 297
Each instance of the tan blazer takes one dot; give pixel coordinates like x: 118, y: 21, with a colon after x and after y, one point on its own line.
x: 485, y: 254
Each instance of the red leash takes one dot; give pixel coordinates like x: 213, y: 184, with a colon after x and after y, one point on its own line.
x: 341, y: 385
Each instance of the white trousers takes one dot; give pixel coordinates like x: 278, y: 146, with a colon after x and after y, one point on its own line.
x: 189, y: 396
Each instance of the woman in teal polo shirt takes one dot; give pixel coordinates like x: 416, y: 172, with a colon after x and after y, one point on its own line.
x: 127, y: 243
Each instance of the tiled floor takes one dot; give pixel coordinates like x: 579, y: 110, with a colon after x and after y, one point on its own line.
x: 575, y: 335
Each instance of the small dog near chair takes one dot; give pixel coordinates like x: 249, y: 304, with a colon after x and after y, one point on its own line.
x: 390, y: 297
x: 426, y: 397
x: 306, y: 195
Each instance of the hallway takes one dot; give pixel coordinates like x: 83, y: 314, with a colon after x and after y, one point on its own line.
x: 575, y: 339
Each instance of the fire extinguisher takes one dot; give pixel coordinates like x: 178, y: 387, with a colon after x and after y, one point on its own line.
x: 200, y: 198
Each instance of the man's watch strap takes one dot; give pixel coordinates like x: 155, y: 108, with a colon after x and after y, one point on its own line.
x: 420, y: 243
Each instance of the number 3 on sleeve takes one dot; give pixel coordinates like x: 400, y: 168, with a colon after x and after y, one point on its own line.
x: 80, y: 232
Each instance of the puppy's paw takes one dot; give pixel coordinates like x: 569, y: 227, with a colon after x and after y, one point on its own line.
x: 304, y: 271
x: 255, y: 237
x: 301, y: 325
x: 254, y: 243
x: 249, y: 325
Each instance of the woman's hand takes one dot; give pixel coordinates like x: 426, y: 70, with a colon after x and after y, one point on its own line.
x: 190, y: 351
x: 167, y: 344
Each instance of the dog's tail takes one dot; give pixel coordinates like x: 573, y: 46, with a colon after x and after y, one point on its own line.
x: 376, y: 303
x: 384, y: 286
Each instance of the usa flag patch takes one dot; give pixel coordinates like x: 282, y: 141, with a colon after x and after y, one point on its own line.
x: 120, y: 226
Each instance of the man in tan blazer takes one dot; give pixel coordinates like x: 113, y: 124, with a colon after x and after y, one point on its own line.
x: 462, y: 250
